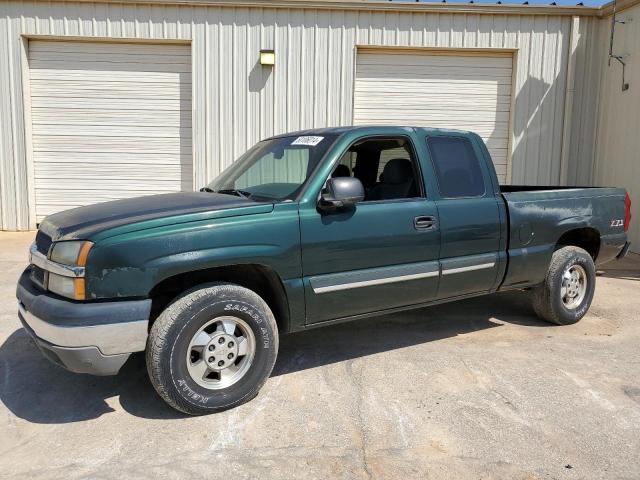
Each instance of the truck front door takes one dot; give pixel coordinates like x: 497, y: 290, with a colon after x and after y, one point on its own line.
x: 384, y: 252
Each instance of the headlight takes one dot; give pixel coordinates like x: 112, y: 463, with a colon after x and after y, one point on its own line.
x: 69, y: 287
x: 72, y: 253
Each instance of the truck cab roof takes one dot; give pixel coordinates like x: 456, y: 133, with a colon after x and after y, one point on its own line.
x: 372, y: 129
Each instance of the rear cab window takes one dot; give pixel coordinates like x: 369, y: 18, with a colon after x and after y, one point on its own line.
x: 457, y: 167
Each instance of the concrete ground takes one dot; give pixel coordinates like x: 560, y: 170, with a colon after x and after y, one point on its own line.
x: 477, y: 389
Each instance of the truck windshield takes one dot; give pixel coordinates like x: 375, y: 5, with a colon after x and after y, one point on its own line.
x: 274, y: 169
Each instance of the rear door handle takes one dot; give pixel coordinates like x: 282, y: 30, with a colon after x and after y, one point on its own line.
x: 425, y: 223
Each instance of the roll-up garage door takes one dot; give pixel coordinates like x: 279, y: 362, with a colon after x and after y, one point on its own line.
x: 467, y: 92
x: 109, y: 121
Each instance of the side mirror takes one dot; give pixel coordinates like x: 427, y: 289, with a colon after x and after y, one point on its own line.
x: 340, y: 193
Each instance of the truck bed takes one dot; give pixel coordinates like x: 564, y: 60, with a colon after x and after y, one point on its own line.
x: 539, y: 216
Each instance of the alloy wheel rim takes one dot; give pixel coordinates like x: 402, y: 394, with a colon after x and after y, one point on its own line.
x: 574, y: 286
x: 221, y: 352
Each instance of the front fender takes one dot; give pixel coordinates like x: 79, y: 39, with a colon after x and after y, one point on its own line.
x: 131, y: 265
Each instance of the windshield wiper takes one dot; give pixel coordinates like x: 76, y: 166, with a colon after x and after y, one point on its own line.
x: 233, y: 191
x: 228, y: 191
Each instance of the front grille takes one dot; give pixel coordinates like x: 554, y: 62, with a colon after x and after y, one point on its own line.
x: 38, y: 276
x: 43, y: 242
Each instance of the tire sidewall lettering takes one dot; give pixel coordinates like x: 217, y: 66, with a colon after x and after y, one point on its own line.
x: 186, y: 389
x: 243, y: 308
x: 265, y: 339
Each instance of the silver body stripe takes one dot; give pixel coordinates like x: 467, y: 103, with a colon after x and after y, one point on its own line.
x: 470, y: 268
x: 378, y: 281
x: 400, y: 273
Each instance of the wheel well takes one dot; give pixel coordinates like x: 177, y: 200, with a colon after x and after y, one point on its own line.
x: 586, y: 238
x: 261, y: 279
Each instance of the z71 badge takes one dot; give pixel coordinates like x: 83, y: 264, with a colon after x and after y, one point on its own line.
x: 617, y: 223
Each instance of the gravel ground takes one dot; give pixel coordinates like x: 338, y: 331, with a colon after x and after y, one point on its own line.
x: 477, y: 389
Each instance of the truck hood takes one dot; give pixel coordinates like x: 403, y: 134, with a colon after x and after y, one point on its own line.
x: 85, y: 222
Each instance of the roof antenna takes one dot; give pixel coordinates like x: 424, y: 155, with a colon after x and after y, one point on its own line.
x: 619, y: 58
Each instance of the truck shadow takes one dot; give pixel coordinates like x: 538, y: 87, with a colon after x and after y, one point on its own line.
x: 621, y: 274
x: 627, y: 268
x: 37, y: 391
x: 346, y: 341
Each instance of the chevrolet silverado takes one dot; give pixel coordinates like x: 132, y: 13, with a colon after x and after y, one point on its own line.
x: 304, y: 230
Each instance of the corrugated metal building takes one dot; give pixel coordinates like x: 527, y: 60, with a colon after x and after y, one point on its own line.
x: 102, y: 99
x: 617, y: 160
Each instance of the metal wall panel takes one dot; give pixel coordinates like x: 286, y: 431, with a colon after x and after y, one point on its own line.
x: 589, y: 53
x: 236, y: 101
x: 618, y: 143
x: 14, y: 195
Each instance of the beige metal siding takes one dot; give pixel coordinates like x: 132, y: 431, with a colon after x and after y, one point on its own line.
x: 589, y: 53
x: 237, y: 102
x: 109, y: 121
x: 618, y: 142
x: 432, y: 89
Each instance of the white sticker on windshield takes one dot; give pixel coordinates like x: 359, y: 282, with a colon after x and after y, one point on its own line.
x: 310, y: 140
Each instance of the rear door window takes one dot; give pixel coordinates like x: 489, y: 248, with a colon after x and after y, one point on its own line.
x: 457, y: 167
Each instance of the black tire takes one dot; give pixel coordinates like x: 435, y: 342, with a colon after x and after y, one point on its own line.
x: 546, y: 297
x: 169, y: 339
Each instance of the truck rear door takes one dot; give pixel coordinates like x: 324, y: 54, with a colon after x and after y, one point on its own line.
x: 471, y: 215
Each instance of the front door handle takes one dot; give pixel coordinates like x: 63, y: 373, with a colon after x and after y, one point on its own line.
x: 425, y: 223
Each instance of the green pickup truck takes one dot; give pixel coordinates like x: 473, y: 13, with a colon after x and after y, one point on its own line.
x: 304, y: 230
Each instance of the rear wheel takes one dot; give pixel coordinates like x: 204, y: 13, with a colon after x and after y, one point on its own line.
x: 567, y: 291
x: 212, y: 349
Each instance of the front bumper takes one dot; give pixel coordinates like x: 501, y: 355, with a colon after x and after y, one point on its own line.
x: 84, y: 337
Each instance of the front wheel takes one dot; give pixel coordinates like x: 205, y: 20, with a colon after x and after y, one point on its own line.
x: 567, y: 291
x: 212, y: 349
